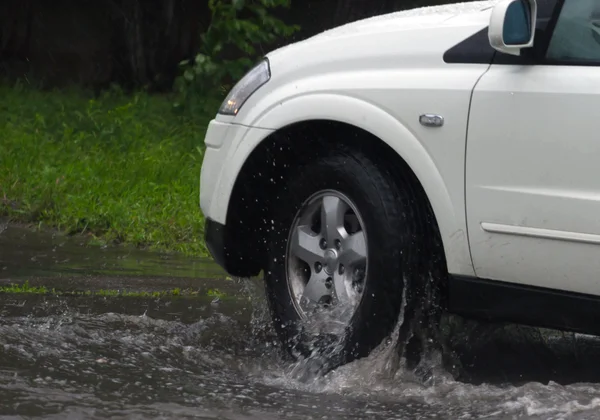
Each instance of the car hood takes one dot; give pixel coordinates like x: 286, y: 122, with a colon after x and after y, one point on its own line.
x: 422, y: 17
x: 414, y: 38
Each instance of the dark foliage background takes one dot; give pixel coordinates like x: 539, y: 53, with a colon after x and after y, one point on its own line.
x: 139, y: 43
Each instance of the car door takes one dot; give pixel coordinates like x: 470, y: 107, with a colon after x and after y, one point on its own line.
x: 533, y: 160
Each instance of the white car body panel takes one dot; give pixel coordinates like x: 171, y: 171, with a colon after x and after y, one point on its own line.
x: 533, y: 182
x: 380, y: 75
x: 222, y: 162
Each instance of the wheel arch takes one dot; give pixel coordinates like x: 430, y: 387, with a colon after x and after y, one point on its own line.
x: 310, y: 121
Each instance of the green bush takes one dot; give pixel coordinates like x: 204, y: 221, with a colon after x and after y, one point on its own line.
x: 236, y: 28
x: 120, y: 167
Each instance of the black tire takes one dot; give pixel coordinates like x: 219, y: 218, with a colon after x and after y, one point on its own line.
x: 398, y: 250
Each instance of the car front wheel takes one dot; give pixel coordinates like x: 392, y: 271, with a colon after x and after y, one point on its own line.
x: 345, y: 247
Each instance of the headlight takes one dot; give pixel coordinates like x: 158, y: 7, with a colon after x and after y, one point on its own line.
x: 254, y: 79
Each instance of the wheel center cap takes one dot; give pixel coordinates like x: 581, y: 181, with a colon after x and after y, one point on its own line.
x: 331, y: 258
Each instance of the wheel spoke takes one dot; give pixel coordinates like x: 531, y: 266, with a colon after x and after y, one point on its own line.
x: 355, y: 250
x: 305, y: 245
x: 315, y: 288
x: 339, y: 285
x: 332, y: 218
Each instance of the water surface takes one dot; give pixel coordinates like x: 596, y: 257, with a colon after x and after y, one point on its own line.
x: 193, y: 357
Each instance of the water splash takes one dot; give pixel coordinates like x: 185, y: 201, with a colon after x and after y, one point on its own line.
x: 106, y: 358
x: 382, y: 368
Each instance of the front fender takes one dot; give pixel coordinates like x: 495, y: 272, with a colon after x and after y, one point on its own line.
x: 361, y: 114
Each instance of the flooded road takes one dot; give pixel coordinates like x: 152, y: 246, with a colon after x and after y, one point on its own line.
x: 194, y: 356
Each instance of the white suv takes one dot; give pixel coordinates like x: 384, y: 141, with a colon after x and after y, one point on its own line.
x: 437, y: 159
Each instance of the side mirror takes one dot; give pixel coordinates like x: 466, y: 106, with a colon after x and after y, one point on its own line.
x: 512, y: 25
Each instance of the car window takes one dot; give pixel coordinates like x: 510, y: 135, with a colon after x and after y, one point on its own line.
x: 576, y: 37
x: 545, y: 8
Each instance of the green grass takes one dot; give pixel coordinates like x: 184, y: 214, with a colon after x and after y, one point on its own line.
x: 24, y: 288
x: 27, y: 289
x: 216, y: 293
x: 121, y: 168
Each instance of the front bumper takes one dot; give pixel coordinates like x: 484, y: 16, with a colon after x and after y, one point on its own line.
x: 227, y: 148
x: 231, y: 253
x: 214, y: 236
x: 219, y: 143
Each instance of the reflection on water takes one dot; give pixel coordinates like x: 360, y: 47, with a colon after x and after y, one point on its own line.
x: 191, y: 357
x: 27, y: 253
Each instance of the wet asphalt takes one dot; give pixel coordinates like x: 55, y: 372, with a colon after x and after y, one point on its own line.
x: 198, y: 356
